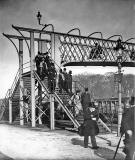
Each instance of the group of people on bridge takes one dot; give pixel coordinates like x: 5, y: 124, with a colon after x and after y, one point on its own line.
x: 46, y: 68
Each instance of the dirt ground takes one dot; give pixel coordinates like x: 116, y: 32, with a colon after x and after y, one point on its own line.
x: 23, y: 143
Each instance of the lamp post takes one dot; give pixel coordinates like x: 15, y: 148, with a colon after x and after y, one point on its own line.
x: 51, y: 98
x: 119, y: 48
x: 39, y: 16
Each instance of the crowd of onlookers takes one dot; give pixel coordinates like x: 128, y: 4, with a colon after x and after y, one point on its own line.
x: 46, y: 68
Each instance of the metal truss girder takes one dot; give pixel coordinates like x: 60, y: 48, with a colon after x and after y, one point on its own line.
x: 78, y: 48
x: 99, y: 63
x: 26, y: 38
x: 74, y: 49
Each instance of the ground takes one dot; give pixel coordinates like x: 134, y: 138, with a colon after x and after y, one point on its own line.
x: 23, y: 143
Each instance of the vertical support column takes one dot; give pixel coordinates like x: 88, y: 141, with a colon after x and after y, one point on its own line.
x: 119, y: 99
x: 39, y: 46
x: 52, y: 120
x: 32, y: 57
x: 55, y: 44
x: 10, y: 107
x: 21, y: 81
x: 52, y: 117
x: 42, y: 48
x: 39, y: 86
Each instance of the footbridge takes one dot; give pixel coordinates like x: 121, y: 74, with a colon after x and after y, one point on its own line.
x: 65, y: 49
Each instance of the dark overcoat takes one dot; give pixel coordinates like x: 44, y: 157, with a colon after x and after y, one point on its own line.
x: 90, y: 125
x: 127, y: 122
x: 85, y: 101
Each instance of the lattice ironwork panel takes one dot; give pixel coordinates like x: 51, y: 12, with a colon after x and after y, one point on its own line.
x: 88, y: 49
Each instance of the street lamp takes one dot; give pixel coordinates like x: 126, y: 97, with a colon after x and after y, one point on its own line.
x: 119, y: 48
x: 39, y: 16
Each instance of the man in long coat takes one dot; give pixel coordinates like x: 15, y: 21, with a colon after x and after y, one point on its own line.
x: 127, y: 128
x: 90, y: 116
x: 85, y: 100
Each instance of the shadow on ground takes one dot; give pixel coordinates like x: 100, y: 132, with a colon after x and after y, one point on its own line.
x: 102, y: 152
x: 108, y: 154
x: 77, y: 141
x: 4, y: 157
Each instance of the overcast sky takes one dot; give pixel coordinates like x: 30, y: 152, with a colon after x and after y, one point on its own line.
x: 107, y: 16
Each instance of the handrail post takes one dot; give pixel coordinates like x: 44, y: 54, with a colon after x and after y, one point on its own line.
x: 119, y: 99
x: 52, y: 117
x: 32, y: 57
x: 52, y: 112
x: 21, y: 81
x: 10, y: 107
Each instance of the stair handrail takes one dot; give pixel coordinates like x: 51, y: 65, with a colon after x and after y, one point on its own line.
x: 70, y: 115
x: 75, y: 122
x: 17, y: 78
x: 15, y: 82
x: 105, y: 126
x: 4, y: 102
x: 73, y: 81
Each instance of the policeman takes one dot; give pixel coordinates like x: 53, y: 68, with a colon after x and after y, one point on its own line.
x: 90, y: 126
x: 90, y: 116
x: 52, y: 77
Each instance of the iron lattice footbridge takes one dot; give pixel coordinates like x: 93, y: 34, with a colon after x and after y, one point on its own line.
x: 89, y: 51
x: 77, y: 50
x: 67, y: 50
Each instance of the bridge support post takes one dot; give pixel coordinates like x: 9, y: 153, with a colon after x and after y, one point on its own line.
x: 54, y: 49
x: 21, y: 104
x: 10, y: 107
x: 42, y: 48
x: 39, y: 87
x: 32, y: 57
x: 52, y: 117
x: 119, y: 99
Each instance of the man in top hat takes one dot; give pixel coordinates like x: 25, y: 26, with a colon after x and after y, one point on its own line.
x: 90, y: 116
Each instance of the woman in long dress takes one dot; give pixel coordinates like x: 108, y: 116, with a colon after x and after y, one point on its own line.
x: 76, y: 99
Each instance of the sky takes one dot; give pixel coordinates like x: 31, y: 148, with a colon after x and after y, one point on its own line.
x: 110, y: 17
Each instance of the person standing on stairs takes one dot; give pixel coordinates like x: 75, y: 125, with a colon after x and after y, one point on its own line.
x: 90, y: 116
x: 52, y: 74
x: 26, y: 100
x: 65, y: 85
x: 69, y: 82
x: 60, y: 80
x: 76, y: 99
x: 39, y: 59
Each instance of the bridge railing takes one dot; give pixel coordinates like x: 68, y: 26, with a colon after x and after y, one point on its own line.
x: 26, y: 67
x: 4, y: 103
x: 10, y: 91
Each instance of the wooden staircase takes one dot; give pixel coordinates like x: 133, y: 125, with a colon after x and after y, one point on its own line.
x: 16, y: 97
x: 62, y: 99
